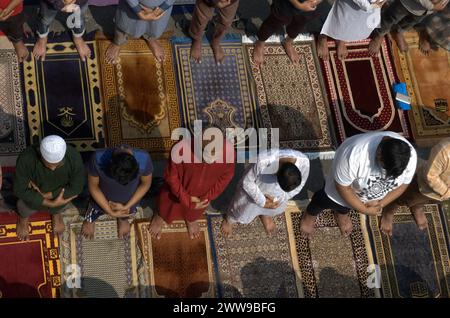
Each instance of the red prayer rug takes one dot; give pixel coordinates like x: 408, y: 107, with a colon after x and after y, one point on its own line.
x: 29, y: 269
x: 359, y: 89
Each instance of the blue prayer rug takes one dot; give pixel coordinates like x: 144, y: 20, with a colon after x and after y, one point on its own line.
x: 412, y: 263
x: 218, y: 95
x: 62, y: 95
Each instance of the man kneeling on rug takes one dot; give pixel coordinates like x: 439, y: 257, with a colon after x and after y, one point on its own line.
x: 118, y: 179
x: 369, y: 171
x: 431, y: 185
x: 48, y: 176
x: 192, y: 180
x: 267, y: 186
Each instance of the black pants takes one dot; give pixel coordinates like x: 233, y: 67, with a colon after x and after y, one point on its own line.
x: 320, y: 202
x: 278, y: 18
x: 13, y: 27
x: 397, y: 18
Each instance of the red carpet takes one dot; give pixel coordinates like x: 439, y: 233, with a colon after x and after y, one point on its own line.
x: 29, y: 269
x: 359, y: 88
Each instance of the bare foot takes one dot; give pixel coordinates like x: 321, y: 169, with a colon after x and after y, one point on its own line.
x: 307, y: 224
x: 88, y: 229
x: 344, y: 223
x: 112, y: 54
x: 157, y: 50
x: 424, y: 43
x: 124, y: 227
x: 375, y: 45
x: 322, y: 47
x: 155, y: 228
x: 58, y: 224
x: 418, y: 213
x: 387, y: 222
x: 83, y: 49
x: 290, y: 50
x: 258, y: 53
x: 268, y: 223
x: 196, y: 51
x: 227, y: 228
x: 193, y: 229
x: 40, y: 49
x: 401, y: 42
x: 23, y: 230
x: 219, y: 54
x: 21, y: 51
x: 342, y: 51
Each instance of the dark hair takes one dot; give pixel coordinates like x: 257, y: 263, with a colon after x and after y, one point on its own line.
x: 123, y: 167
x: 289, y: 177
x: 395, y: 155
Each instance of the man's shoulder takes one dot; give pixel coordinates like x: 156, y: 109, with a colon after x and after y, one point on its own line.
x: 29, y: 154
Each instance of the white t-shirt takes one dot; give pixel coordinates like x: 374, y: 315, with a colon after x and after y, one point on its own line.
x: 355, y: 164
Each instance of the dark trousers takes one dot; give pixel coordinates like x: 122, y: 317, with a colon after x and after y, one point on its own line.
x: 397, y: 18
x: 13, y: 27
x: 320, y: 202
x: 294, y: 22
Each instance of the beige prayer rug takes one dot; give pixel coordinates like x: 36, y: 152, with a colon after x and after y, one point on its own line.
x: 330, y: 265
x: 104, y: 267
x: 293, y: 98
x: 177, y: 266
x: 12, y: 122
x: 140, y: 97
x: 428, y: 84
x: 252, y: 264
x: 413, y: 263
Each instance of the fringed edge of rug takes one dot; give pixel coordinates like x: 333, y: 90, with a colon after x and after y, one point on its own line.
x: 322, y: 155
x: 278, y: 38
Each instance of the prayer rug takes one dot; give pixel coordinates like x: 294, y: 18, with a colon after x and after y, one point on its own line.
x: 219, y: 95
x: 32, y: 268
x: 293, y: 98
x: 252, y: 264
x: 140, y: 97
x: 12, y: 123
x: 427, y: 80
x: 360, y: 90
x: 178, y: 266
x: 413, y: 263
x: 330, y: 265
x: 63, y: 95
x: 103, y: 267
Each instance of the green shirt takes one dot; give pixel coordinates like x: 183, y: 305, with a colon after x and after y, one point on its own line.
x: 29, y: 167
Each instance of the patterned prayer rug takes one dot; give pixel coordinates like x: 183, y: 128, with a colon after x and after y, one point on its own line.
x: 140, y: 97
x: 63, y: 95
x: 293, y: 98
x: 177, y: 265
x: 103, y: 267
x: 12, y: 124
x: 220, y: 95
x: 413, y: 263
x: 252, y: 264
x: 427, y: 80
x: 32, y: 268
x: 330, y: 265
x: 360, y: 91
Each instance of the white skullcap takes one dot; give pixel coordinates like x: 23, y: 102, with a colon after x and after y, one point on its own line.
x: 53, y: 149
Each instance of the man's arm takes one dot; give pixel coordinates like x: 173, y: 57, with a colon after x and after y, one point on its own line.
x: 438, y: 163
x: 144, y: 186
x: 221, y: 183
x: 251, y: 188
x: 22, y: 178
x: 172, y: 177
x: 97, y: 194
x: 349, y: 195
x: 77, y: 176
x: 393, y: 195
